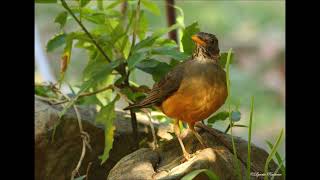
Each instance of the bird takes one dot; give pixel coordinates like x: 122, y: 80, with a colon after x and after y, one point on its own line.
x: 192, y: 90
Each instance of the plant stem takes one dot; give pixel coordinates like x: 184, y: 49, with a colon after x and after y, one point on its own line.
x: 126, y: 81
x: 234, y: 149
x: 249, y: 140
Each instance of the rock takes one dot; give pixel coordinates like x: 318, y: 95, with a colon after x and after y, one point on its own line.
x: 218, y: 157
x: 56, y: 159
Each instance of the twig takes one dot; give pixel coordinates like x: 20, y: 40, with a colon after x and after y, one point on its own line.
x: 45, y: 98
x: 87, y: 94
x: 85, y: 140
x: 76, y: 170
x: 88, y: 168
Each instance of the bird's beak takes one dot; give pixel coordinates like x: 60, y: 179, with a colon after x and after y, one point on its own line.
x: 197, y: 40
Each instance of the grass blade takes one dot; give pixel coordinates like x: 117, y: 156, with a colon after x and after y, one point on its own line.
x: 279, y: 159
x: 249, y: 140
x: 272, y: 153
x: 276, y: 171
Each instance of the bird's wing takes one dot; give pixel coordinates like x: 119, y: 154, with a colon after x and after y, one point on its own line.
x: 164, y: 88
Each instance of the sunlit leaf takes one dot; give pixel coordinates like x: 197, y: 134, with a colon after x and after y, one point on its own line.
x: 106, y: 117
x: 188, y: 44
x: 56, y: 41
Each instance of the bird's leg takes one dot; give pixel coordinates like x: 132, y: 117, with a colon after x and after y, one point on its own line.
x: 177, y: 132
x: 191, y: 126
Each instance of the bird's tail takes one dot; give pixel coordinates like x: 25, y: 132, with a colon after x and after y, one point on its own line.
x: 132, y: 106
x: 142, y: 104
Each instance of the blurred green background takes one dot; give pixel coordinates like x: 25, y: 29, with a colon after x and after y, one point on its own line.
x: 255, y: 30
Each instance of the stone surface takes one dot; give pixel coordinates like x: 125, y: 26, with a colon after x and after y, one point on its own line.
x: 218, y: 157
x: 56, y: 159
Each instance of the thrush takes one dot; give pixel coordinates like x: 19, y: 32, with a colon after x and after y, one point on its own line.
x: 192, y: 90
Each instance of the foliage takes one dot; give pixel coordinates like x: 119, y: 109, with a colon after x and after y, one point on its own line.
x: 117, y: 44
x: 272, y: 153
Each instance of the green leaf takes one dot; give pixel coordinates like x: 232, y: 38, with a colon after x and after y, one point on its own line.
x: 155, y: 68
x: 84, y: 2
x: 146, y: 42
x: 56, y: 41
x: 272, y: 153
x: 188, y: 44
x: 46, y: 1
x: 221, y: 116
x: 61, y: 18
x: 235, y: 116
x: 135, y: 59
x: 223, y: 59
x: 98, y: 69
x: 106, y: 117
x: 151, y: 6
x: 279, y: 159
x: 151, y: 39
x: 171, y: 52
x: 193, y: 174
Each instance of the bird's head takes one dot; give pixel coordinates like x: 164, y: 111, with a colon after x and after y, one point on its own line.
x: 206, y: 45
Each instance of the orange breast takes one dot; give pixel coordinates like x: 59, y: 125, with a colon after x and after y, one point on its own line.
x: 195, y: 101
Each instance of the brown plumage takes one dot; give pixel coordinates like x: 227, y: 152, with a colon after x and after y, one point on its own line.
x: 194, y: 89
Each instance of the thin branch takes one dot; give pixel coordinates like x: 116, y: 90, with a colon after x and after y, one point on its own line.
x: 98, y: 91
x: 76, y: 170
x: 88, y: 168
x: 65, y: 5
x: 87, y: 94
x: 85, y: 142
